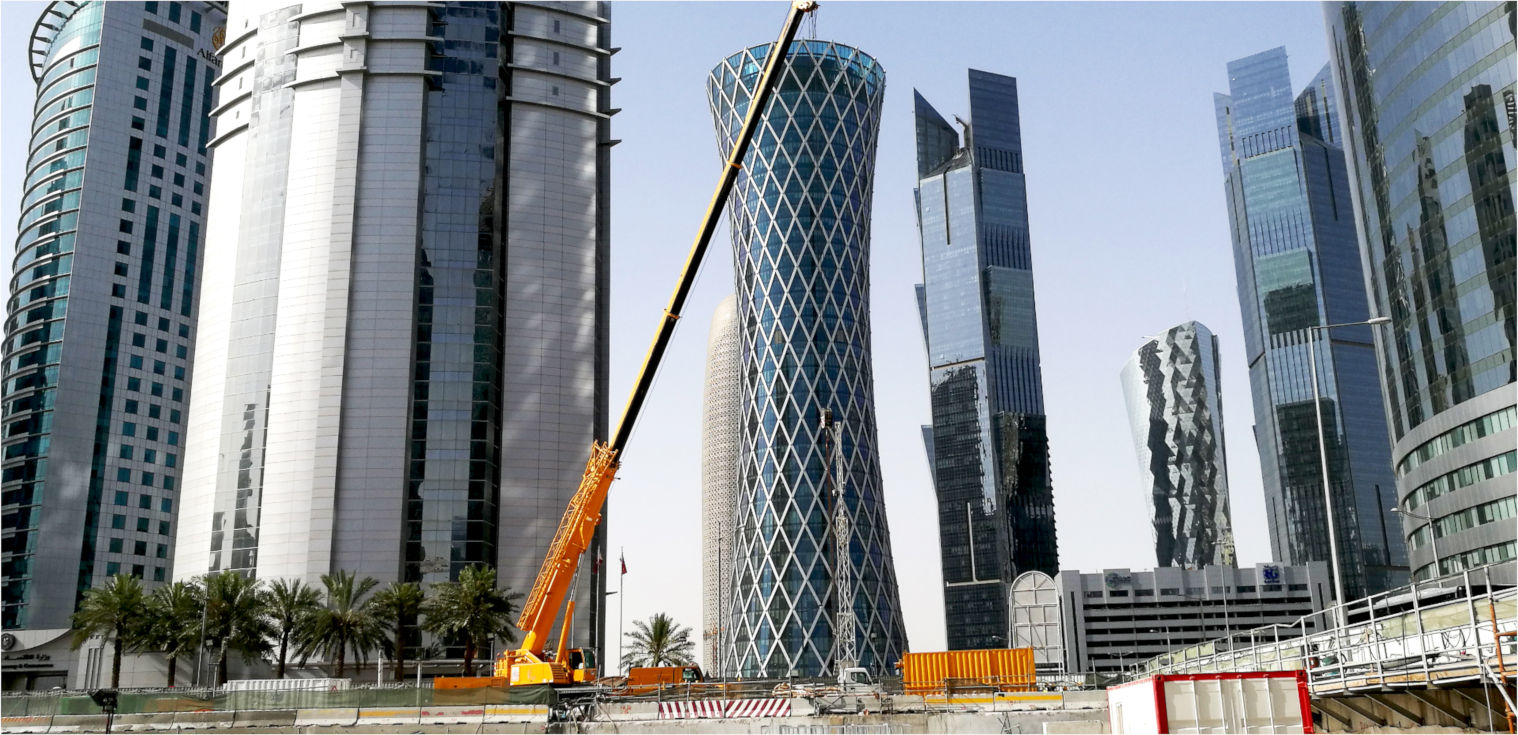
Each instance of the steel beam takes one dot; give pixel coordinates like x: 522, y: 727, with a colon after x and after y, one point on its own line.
x: 1321, y: 705
x: 1387, y: 702
x: 1361, y: 711
x: 1446, y: 711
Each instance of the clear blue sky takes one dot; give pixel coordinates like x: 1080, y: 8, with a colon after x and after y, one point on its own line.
x: 1129, y: 237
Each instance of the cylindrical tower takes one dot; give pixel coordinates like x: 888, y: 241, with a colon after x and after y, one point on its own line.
x: 719, y: 473
x: 101, y: 315
x: 800, y: 217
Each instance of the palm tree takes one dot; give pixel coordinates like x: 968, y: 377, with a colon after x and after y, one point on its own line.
x: 234, y: 619
x: 172, y: 622
x: 659, y: 641
x: 471, y: 611
x: 115, y: 611
x: 289, y: 604
x: 345, y: 622
x: 398, y: 605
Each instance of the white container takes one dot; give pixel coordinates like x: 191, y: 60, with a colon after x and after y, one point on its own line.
x: 287, y: 685
x: 1253, y: 702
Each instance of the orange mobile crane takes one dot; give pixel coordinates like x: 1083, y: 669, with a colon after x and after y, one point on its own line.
x: 528, y: 665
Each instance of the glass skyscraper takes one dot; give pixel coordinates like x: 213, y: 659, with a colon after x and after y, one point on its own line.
x: 1298, y: 266
x: 988, y: 443
x: 405, y: 326
x: 800, y: 218
x: 721, y: 408
x: 1175, y: 409
x: 1429, y: 120
x: 101, y: 318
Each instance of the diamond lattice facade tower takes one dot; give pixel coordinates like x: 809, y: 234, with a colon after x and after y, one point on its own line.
x: 800, y: 218
x: 721, y: 407
x: 1429, y: 120
x: 1175, y: 409
x: 1298, y: 266
x: 405, y: 357
x: 101, y: 316
x: 988, y: 446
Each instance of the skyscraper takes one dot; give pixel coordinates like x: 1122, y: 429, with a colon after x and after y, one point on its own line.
x: 1175, y: 408
x: 405, y: 357
x: 1429, y: 121
x: 101, y: 319
x: 721, y: 407
x: 1297, y: 263
x: 988, y: 444
x: 800, y: 218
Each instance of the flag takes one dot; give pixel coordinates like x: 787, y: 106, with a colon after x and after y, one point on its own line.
x: 624, y: 563
x: 595, y: 566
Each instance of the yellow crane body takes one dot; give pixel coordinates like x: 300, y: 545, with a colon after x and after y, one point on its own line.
x: 528, y: 665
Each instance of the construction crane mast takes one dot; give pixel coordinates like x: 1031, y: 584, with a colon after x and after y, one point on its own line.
x: 528, y: 665
x: 845, y: 643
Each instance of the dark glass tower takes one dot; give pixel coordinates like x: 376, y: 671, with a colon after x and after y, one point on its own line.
x: 1298, y: 267
x: 800, y: 217
x: 988, y: 445
x: 102, y: 312
x: 1429, y: 120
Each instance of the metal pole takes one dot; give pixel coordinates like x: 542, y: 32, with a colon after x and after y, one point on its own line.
x: 621, y: 605
x: 205, y: 605
x: 1328, y: 500
x: 419, y: 688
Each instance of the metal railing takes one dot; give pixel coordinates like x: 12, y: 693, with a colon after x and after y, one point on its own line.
x: 1438, y: 630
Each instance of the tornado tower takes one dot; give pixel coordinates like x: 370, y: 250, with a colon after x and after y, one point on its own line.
x: 800, y: 218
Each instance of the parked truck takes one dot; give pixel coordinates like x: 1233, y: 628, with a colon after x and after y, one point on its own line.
x: 1253, y: 702
x: 989, y: 669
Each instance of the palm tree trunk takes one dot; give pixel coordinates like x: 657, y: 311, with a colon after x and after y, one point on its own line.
x: 469, y: 657
x: 400, y: 652
x: 173, y: 664
x: 116, y: 659
x: 284, y: 644
x: 340, y: 660
x: 221, y: 666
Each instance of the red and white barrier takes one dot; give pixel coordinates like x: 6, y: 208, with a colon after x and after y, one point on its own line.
x: 719, y: 708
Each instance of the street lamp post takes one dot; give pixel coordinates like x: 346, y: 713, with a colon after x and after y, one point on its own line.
x: 1433, y: 535
x: 1328, y: 501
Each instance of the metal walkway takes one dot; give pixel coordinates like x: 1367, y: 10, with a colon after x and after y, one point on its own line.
x: 1437, y: 632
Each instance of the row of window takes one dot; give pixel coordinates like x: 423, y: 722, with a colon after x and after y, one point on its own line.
x: 1469, y: 431
x: 148, y: 479
x: 1502, y: 464
x: 1491, y: 512
x: 139, y: 548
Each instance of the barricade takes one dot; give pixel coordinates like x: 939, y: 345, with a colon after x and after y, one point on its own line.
x: 25, y: 723
x: 1020, y: 701
x: 502, y: 713
x: 1096, y: 699
x: 143, y: 722
x: 345, y: 716
x: 202, y: 720
x: 264, y: 718
x: 77, y: 723
x: 369, y: 716
x: 720, y: 708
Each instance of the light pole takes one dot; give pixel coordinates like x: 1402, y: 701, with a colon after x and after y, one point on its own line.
x: 1433, y: 534
x: 1328, y: 500
x: 619, y: 632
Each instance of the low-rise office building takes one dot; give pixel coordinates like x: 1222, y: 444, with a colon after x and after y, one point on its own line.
x: 1115, y: 618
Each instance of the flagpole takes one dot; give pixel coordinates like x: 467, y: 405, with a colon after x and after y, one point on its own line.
x: 621, y: 603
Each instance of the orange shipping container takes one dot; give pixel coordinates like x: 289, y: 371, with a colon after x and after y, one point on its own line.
x: 1006, y: 669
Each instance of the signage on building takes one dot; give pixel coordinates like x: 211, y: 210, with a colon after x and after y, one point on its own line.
x: 25, y: 661
x: 1114, y: 579
x: 1270, y: 574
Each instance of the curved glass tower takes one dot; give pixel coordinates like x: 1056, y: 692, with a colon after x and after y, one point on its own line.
x: 1175, y: 409
x: 101, y: 317
x: 1427, y: 92
x: 800, y: 217
x: 721, y: 401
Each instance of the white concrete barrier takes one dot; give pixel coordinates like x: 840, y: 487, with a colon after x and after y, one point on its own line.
x: 77, y: 723
x: 500, y: 713
x: 1075, y: 727
x: 345, y: 716
x: 29, y: 723
x: 202, y: 720
x: 264, y: 718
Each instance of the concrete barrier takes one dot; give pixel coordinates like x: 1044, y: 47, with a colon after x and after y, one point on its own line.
x: 369, y: 716
x: 1019, y: 701
x: 1095, y: 699
x: 30, y: 723
x: 77, y: 723
x: 627, y: 711
x: 503, y: 713
x: 264, y: 718
x: 344, y: 716
x: 202, y: 720
x: 143, y: 722
x: 1075, y: 727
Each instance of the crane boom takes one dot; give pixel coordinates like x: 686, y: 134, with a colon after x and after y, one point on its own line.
x: 583, y: 516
